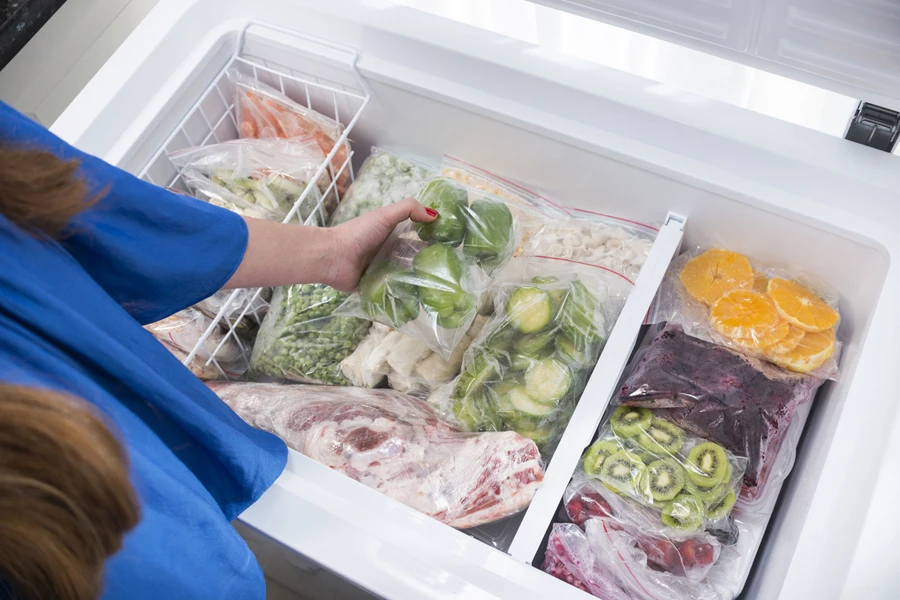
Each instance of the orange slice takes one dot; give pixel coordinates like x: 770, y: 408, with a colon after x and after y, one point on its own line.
x: 714, y: 273
x: 766, y: 338
x: 801, y: 306
x: 810, y: 354
x: 788, y: 342
x: 746, y: 314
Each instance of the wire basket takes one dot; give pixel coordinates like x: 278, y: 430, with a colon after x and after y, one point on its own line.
x: 213, y: 119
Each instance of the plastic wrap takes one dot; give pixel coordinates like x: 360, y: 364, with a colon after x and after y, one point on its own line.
x: 180, y: 333
x: 607, y: 560
x: 663, y: 479
x: 526, y: 370
x: 397, y: 445
x: 264, y: 112
x: 257, y: 178
x: 253, y: 309
x: 738, y: 401
x: 428, y: 279
x: 778, y: 315
x: 385, y: 178
x: 300, y: 339
x: 602, y: 240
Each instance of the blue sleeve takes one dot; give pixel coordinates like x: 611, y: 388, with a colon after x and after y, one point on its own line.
x: 154, y: 251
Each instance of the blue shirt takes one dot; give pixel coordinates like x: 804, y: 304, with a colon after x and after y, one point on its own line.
x: 70, y: 320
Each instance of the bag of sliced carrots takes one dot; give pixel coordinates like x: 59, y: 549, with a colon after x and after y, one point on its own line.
x: 787, y: 318
x: 264, y: 112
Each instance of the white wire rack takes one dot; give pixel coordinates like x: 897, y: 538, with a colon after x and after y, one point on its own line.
x: 213, y: 119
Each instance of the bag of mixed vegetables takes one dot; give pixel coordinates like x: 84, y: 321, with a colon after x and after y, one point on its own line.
x: 529, y: 365
x: 263, y: 179
x: 266, y: 113
x: 385, y: 178
x: 428, y: 279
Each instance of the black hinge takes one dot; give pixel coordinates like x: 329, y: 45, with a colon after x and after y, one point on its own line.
x: 874, y: 126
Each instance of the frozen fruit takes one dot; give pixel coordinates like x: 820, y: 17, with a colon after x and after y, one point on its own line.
x: 748, y: 315
x: 695, y: 553
x: 622, y: 472
x: 628, y: 421
x: 718, y: 394
x: 788, y: 342
x: 801, y: 306
x: 721, y: 508
x: 707, y: 465
x: 714, y: 273
x: 597, y: 454
x: 760, y: 282
x: 684, y: 513
x: 661, y: 437
x: 661, y: 481
x: 810, y: 354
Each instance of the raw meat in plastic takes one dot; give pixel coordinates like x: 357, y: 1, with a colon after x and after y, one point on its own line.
x: 182, y: 331
x: 778, y: 315
x: 385, y: 178
x: 263, y: 179
x: 264, y: 112
x: 718, y: 394
x: 397, y: 445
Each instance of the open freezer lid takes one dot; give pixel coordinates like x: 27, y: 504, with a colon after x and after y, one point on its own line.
x: 848, y: 46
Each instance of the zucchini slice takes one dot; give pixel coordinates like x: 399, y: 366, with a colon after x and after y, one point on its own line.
x: 522, y: 402
x: 548, y: 381
x: 529, y: 309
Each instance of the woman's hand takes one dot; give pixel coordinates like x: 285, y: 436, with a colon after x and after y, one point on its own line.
x: 359, y: 240
x: 279, y: 254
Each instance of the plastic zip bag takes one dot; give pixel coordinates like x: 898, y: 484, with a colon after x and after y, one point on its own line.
x: 397, y: 445
x: 182, y: 331
x: 572, y: 233
x: 253, y: 309
x: 669, y: 482
x: 718, y: 394
x: 264, y: 112
x: 784, y: 317
x: 526, y: 370
x: 257, y: 178
x: 300, y: 340
x: 428, y: 279
x: 385, y: 178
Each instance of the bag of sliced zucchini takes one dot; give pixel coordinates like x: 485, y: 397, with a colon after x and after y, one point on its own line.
x: 526, y: 370
x: 263, y: 179
x: 428, y: 279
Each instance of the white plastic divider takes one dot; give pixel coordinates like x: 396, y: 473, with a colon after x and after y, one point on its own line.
x: 600, y: 388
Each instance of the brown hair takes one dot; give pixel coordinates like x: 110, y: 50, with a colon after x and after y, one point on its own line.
x: 39, y: 192
x: 65, y: 498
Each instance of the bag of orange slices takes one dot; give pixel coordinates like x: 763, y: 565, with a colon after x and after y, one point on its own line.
x: 784, y: 317
x: 264, y: 112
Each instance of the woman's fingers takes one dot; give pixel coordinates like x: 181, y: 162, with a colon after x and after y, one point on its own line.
x: 409, y: 209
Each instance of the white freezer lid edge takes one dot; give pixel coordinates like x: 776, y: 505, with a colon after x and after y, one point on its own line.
x: 851, y: 47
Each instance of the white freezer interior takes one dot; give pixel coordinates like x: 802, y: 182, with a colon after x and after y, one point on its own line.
x: 594, y: 139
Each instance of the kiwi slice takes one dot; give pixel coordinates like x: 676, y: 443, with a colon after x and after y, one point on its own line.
x: 707, y: 465
x: 628, y: 421
x: 622, y: 471
x: 632, y: 446
x: 710, y: 495
x: 722, y: 507
x: 597, y: 454
x: 661, y: 437
x: 662, y: 480
x: 684, y: 513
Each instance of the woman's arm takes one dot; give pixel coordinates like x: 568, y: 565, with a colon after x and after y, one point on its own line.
x: 279, y: 254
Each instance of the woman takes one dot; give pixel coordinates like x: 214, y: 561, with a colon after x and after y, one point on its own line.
x: 88, y: 254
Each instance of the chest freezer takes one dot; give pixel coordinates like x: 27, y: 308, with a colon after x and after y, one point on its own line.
x: 710, y: 173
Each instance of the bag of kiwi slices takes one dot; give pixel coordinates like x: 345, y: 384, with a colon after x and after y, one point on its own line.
x: 662, y: 478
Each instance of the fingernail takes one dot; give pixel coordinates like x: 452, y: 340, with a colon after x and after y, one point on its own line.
x: 431, y: 212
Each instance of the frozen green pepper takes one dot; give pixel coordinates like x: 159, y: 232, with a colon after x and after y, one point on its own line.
x: 449, y: 200
x: 489, y: 229
x: 386, y: 293
x: 439, y: 271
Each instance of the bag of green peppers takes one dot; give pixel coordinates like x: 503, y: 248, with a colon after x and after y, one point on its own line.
x: 428, y: 278
x: 300, y: 340
x: 528, y: 367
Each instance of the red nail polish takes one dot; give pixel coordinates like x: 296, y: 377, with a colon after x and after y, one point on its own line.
x: 431, y: 212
